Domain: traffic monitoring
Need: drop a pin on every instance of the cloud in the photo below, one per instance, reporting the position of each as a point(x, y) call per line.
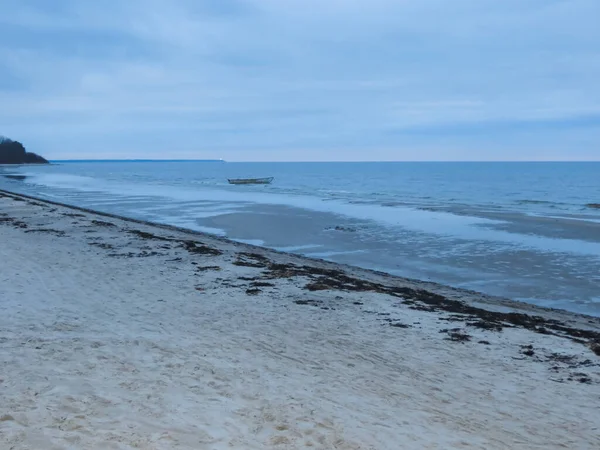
point(302, 79)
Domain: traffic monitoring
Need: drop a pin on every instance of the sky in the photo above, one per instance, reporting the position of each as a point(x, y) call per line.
point(298, 80)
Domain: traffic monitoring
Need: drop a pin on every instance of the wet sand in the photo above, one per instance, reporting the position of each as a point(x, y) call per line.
point(121, 334)
point(557, 277)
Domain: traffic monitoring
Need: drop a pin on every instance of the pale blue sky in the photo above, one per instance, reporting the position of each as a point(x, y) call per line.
point(302, 79)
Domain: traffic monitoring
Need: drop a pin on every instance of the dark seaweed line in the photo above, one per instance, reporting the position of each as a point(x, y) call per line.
point(191, 246)
point(330, 279)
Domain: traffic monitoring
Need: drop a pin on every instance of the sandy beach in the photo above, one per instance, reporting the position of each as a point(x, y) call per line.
point(118, 334)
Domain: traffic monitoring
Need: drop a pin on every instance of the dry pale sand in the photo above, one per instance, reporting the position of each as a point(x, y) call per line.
point(113, 339)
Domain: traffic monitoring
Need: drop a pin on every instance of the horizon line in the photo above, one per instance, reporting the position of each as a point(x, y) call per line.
point(317, 161)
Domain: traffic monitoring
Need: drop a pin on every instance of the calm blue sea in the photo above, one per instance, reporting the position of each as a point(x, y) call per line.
point(520, 230)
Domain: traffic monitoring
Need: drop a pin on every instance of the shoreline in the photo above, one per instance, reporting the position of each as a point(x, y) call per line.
point(444, 247)
point(462, 293)
point(122, 333)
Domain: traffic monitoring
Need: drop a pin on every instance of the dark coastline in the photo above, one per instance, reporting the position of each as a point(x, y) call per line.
point(13, 152)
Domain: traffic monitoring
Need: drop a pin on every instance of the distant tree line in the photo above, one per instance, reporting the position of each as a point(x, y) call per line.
point(13, 152)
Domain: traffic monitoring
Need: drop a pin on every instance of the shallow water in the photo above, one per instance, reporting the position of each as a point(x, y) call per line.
point(520, 230)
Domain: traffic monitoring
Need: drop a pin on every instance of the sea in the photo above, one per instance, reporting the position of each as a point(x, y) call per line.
point(524, 231)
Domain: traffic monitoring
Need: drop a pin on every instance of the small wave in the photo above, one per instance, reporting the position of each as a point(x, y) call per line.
point(535, 202)
point(593, 205)
point(59, 179)
point(546, 204)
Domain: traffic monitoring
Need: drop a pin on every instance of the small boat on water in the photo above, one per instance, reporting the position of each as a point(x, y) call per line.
point(250, 180)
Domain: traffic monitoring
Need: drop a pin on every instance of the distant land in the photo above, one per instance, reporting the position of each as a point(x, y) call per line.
point(132, 160)
point(13, 152)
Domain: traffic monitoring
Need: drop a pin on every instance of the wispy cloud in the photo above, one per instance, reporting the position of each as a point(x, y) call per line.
point(302, 79)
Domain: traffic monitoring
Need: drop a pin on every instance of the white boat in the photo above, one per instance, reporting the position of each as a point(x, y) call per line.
point(250, 180)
